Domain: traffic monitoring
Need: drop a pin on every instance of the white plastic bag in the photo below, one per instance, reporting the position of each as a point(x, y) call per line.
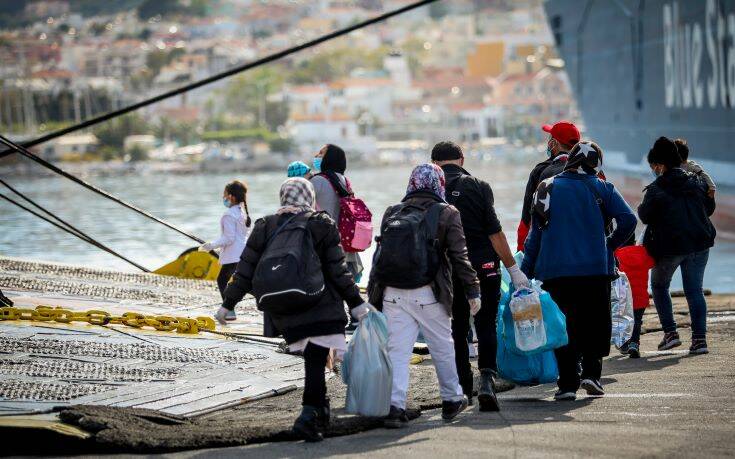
point(367, 368)
point(528, 320)
point(621, 302)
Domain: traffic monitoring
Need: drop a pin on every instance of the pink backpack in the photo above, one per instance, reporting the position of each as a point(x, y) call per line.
point(355, 221)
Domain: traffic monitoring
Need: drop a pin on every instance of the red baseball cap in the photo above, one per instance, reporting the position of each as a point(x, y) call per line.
point(563, 131)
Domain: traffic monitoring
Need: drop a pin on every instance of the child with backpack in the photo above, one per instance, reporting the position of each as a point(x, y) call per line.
point(421, 243)
point(294, 266)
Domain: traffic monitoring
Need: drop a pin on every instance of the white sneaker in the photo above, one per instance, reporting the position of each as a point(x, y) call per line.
point(473, 351)
point(221, 315)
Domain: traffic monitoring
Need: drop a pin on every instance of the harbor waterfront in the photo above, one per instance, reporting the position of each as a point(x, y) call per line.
point(193, 202)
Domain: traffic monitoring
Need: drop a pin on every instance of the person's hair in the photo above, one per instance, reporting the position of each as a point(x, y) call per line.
point(664, 152)
point(239, 191)
point(334, 159)
point(446, 151)
point(682, 148)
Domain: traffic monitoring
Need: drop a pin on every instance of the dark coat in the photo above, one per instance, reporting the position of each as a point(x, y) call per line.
point(676, 209)
point(451, 239)
point(328, 316)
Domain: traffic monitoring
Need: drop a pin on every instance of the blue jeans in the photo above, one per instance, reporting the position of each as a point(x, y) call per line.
point(692, 276)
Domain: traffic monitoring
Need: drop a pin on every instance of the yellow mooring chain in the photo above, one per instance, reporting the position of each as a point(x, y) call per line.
point(44, 313)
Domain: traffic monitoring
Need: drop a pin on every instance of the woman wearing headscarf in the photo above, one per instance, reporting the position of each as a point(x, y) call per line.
point(568, 250)
point(330, 184)
point(320, 328)
point(427, 308)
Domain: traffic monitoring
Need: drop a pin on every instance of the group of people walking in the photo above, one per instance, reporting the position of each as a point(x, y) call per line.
point(438, 258)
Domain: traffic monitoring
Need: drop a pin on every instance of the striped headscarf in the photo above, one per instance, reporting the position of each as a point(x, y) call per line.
point(297, 195)
point(427, 177)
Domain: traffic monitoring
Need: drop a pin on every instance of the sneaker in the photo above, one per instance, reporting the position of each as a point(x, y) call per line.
point(473, 351)
point(306, 425)
point(221, 315)
point(698, 347)
point(396, 418)
point(451, 409)
point(486, 394)
point(567, 395)
point(670, 341)
point(593, 387)
point(230, 315)
point(634, 351)
point(624, 348)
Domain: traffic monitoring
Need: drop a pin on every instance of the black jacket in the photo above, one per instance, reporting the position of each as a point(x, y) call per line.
point(474, 200)
point(326, 318)
point(542, 171)
point(676, 209)
point(452, 241)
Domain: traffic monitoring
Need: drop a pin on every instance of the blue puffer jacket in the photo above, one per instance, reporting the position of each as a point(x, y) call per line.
point(574, 242)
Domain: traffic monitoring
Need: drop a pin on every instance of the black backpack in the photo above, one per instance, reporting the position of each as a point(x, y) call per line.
point(288, 279)
point(408, 253)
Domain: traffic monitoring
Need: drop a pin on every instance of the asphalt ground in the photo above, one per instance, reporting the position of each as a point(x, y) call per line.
point(665, 404)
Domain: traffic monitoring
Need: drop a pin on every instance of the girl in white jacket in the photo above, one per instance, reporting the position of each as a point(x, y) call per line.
point(235, 226)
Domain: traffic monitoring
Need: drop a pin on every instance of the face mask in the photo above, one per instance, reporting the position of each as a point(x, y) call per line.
point(226, 202)
point(548, 152)
point(318, 164)
point(655, 173)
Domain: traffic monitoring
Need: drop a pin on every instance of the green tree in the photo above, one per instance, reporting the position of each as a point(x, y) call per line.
point(137, 153)
point(248, 94)
point(152, 8)
point(112, 133)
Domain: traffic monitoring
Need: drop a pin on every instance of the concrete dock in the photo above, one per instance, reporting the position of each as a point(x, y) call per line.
point(664, 404)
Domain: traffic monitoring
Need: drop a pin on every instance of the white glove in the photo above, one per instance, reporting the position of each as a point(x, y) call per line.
point(361, 311)
point(205, 247)
point(475, 305)
point(518, 278)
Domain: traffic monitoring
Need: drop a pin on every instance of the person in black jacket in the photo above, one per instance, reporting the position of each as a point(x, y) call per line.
point(562, 138)
point(320, 328)
point(676, 208)
point(486, 246)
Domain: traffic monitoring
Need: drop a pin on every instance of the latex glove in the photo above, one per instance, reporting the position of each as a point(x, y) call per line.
point(475, 305)
point(207, 247)
point(361, 311)
point(518, 278)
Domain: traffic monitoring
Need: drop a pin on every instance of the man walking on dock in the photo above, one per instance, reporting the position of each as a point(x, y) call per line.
point(486, 246)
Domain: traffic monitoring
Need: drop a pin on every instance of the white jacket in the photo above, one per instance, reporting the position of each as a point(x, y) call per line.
point(234, 235)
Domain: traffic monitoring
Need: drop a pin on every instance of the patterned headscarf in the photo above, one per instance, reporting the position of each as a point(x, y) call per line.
point(585, 158)
point(297, 195)
point(427, 177)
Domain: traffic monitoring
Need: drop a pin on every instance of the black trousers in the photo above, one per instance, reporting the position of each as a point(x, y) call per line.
point(638, 315)
point(585, 301)
point(315, 385)
point(485, 322)
point(225, 272)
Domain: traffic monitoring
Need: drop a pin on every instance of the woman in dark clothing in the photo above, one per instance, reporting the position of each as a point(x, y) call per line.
point(321, 327)
point(676, 208)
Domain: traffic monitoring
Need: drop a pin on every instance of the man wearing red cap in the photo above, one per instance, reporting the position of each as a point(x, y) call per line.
point(562, 137)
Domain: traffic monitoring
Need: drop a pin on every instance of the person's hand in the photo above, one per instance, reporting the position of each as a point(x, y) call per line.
point(205, 247)
point(361, 311)
point(475, 305)
point(518, 278)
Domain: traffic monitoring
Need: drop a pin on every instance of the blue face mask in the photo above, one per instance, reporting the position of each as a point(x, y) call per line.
point(655, 173)
point(226, 202)
point(317, 164)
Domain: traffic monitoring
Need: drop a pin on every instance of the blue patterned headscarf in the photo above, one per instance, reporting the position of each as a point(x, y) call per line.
point(427, 177)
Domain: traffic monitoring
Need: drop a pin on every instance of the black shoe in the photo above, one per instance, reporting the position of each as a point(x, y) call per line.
point(565, 395)
point(634, 351)
point(593, 387)
point(450, 409)
point(324, 414)
point(625, 347)
point(306, 425)
point(698, 347)
point(486, 394)
point(670, 341)
point(396, 418)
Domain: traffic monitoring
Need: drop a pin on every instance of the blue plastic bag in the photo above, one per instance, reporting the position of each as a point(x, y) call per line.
point(367, 369)
point(539, 368)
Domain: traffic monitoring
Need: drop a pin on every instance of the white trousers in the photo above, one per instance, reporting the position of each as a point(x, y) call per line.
point(411, 311)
